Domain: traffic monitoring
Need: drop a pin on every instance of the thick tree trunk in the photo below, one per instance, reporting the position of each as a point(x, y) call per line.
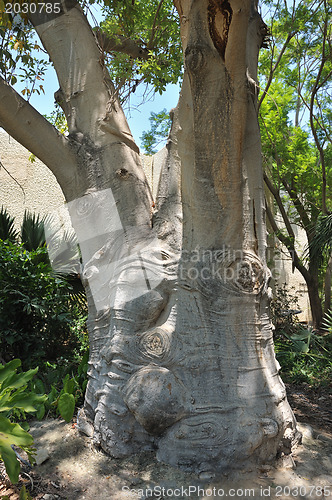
point(182, 356)
point(189, 366)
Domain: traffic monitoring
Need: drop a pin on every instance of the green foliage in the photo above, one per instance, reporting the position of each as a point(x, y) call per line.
point(289, 155)
point(7, 229)
point(305, 357)
point(320, 246)
point(300, 64)
point(42, 320)
point(65, 387)
point(33, 231)
point(327, 322)
point(154, 26)
point(160, 126)
point(295, 118)
point(301, 339)
point(283, 311)
point(24, 494)
point(38, 317)
point(15, 396)
point(66, 406)
point(20, 59)
point(58, 119)
point(12, 434)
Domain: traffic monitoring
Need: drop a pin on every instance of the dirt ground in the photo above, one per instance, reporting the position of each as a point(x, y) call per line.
point(75, 470)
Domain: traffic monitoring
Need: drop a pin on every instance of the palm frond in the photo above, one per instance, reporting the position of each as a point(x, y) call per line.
point(64, 251)
point(321, 244)
point(327, 322)
point(33, 231)
point(7, 228)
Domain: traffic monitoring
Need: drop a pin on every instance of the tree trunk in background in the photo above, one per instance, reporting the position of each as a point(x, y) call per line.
point(327, 286)
point(315, 303)
point(182, 356)
point(313, 292)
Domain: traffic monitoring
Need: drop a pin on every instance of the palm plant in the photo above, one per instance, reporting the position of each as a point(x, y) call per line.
point(320, 251)
point(320, 245)
point(63, 251)
point(7, 228)
point(33, 231)
point(65, 257)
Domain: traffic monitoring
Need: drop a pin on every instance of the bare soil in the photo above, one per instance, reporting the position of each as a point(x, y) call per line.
point(75, 470)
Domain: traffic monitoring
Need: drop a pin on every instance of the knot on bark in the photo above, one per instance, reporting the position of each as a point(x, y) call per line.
point(123, 173)
point(156, 398)
point(270, 427)
point(155, 344)
point(248, 274)
point(195, 58)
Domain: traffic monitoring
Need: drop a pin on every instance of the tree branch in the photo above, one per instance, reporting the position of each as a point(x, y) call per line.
point(34, 132)
point(106, 152)
point(122, 44)
point(299, 207)
point(273, 70)
point(315, 89)
point(154, 29)
point(290, 246)
point(281, 207)
point(87, 94)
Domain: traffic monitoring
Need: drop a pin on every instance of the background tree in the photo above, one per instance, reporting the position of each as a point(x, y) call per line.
point(295, 115)
point(181, 350)
point(160, 127)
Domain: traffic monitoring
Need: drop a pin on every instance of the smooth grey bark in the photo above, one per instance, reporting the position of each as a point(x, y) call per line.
point(181, 349)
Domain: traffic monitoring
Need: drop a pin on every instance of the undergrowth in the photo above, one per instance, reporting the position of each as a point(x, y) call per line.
point(303, 353)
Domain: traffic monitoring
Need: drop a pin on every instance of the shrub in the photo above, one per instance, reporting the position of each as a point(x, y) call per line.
point(283, 307)
point(14, 397)
point(38, 315)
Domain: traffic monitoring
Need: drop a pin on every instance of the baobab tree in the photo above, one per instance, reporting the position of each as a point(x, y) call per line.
point(181, 348)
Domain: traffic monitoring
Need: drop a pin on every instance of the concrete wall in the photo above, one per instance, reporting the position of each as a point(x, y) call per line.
point(280, 263)
point(29, 186)
point(32, 186)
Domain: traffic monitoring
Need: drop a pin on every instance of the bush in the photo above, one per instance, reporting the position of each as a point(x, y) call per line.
point(304, 354)
point(15, 399)
point(38, 316)
point(283, 307)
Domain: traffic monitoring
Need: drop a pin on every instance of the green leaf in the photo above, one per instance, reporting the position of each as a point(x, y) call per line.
point(8, 369)
point(52, 396)
point(24, 494)
point(12, 434)
point(18, 380)
point(66, 406)
point(305, 335)
point(39, 387)
point(25, 426)
point(26, 402)
point(40, 412)
point(10, 460)
point(69, 386)
point(300, 346)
